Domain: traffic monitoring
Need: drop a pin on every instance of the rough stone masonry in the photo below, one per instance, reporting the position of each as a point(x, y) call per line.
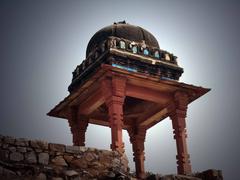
point(34, 159)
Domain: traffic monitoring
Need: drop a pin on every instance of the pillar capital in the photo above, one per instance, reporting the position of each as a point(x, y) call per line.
point(119, 85)
point(114, 90)
point(181, 100)
point(137, 133)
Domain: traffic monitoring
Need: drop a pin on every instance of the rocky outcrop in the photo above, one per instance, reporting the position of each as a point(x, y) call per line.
point(40, 160)
point(210, 174)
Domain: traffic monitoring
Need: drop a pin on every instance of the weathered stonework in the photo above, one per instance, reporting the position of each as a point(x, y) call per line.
point(28, 159)
point(21, 159)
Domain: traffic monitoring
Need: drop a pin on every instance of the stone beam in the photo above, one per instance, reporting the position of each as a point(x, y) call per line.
point(91, 103)
point(147, 94)
point(104, 123)
point(158, 116)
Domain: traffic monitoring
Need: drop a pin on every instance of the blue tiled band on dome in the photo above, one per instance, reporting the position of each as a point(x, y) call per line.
point(124, 67)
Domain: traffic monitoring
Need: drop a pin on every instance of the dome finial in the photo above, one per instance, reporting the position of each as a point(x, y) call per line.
point(120, 22)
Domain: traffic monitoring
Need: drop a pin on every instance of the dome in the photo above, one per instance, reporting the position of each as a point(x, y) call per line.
point(122, 30)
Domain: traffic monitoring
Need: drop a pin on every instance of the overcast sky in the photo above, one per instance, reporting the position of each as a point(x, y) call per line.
point(41, 42)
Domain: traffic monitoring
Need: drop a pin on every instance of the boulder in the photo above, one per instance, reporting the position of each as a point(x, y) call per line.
point(57, 147)
point(31, 157)
point(59, 161)
point(16, 156)
point(43, 158)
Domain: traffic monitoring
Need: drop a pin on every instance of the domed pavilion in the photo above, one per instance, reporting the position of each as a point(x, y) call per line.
point(127, 82)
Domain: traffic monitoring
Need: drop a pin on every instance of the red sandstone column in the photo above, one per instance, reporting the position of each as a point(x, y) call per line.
point(179, 125)
point(114, 92)
point(137, 138)
point(78, 127)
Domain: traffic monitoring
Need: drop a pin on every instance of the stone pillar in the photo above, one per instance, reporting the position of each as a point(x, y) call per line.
point(137, 138)
point(179, 125)
point(78, 127)
point(114, 92)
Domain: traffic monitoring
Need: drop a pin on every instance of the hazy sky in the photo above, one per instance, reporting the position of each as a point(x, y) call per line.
point(41, 42)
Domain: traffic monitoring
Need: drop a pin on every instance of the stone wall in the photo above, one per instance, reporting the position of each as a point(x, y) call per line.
point(40, 160)
point(22, 159)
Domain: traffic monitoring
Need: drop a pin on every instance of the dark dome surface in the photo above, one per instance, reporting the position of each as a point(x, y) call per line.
point(122, 30)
